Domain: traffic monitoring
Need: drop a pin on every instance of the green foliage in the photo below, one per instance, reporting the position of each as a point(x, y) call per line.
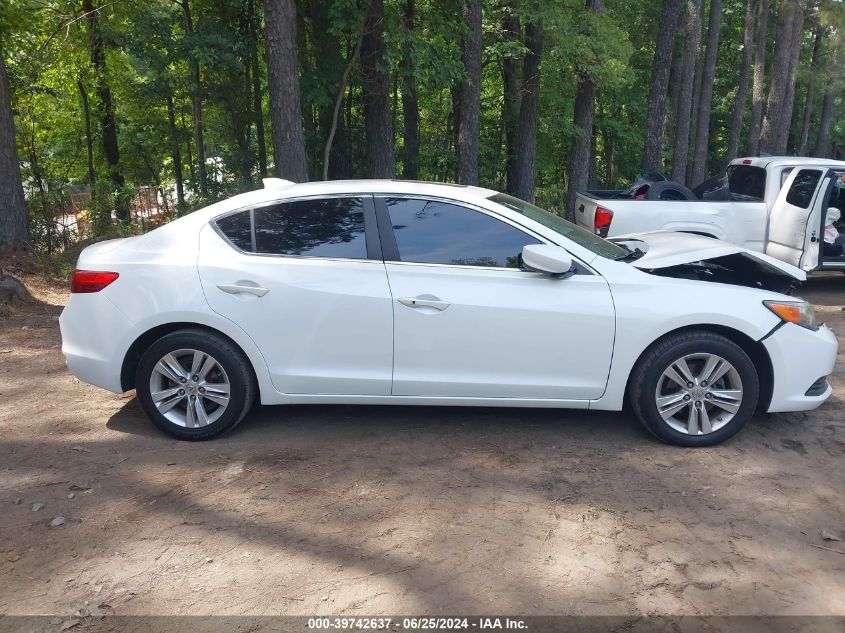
point(46, 44)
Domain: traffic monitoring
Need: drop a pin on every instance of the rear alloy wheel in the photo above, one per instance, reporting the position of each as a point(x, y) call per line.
point(190, 388)
point(694, 389)
point(194, 385)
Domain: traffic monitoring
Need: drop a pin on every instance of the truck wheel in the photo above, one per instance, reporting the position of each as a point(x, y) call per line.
point(669, 190)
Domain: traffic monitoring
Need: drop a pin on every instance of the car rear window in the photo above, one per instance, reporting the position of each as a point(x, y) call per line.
point(747, 183)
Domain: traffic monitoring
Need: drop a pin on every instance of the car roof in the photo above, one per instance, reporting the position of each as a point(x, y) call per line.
point(277, 189)
point(786, 161)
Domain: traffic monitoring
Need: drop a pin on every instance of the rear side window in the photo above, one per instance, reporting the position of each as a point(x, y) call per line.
point(329, 227)
point(333, 227)
point(434, 232)
point(238, 229)
point(803, 188)
point(747, 183)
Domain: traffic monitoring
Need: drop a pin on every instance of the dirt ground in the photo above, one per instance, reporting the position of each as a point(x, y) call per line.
point(405, 510)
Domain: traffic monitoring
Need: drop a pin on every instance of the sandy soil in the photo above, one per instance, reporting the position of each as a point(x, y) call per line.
point(366, 510)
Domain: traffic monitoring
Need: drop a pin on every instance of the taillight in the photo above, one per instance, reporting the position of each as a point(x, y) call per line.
point(602, 221)
point(91, 280)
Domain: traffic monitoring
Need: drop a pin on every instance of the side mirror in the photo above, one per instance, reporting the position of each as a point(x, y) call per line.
point(546, 258)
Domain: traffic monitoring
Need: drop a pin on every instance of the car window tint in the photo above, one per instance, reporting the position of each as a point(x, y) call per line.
point(746, 182)
point(238, 229)
point(433, 232)
point(801, 192)
point(330, 227)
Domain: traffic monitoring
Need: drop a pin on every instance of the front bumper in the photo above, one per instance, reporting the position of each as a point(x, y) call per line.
point(800, 357)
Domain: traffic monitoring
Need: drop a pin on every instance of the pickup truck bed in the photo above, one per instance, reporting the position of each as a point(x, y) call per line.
point(742, 223)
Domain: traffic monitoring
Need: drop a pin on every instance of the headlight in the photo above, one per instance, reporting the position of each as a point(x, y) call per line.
point(797, 312)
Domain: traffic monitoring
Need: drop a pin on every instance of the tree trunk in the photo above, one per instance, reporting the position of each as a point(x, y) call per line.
point(744, 75)
point(526, 128)
point(188, 154)
point(789, 102)
point(335, 119)
point(196, 100)
point(822, 149)
point(14, 220)
point(177, 155)
point(470, 95)
point(696, 97)
point(283, 82)
point(661, 67)
point(89, 141)
point(585, 106)
point(378, 119)
point(511, 82)
point(108, 125)
point(702, 120)
point(692, 44)
point(257, 107)
point(410, 104)
point(775, 132)
point(675, 81)
point(758, 95)
point(811, 91)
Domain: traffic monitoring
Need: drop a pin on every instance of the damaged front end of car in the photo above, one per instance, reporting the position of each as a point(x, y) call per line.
point(701, 258)
point(738, 269)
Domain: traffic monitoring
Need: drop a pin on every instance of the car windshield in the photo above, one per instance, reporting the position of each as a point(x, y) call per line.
point(577, 234)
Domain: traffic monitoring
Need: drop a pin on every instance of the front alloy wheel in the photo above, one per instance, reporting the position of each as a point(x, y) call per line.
point(699, 394)
point(694, 388)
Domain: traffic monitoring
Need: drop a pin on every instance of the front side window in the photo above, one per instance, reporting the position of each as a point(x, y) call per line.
point(329, 227)
point(435, 232)
point(803, 188)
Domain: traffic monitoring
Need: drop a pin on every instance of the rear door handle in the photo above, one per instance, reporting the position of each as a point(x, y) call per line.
point(424, 302)
point(243, 287)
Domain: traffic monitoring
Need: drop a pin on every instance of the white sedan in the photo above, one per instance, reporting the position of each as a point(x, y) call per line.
point(389, 292)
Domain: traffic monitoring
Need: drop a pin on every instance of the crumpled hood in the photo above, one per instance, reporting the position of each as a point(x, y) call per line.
point(664, 249)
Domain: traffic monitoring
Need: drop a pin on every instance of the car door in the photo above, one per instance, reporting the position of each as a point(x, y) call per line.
point(795, 219)
point(469, 323)
point(305, 279)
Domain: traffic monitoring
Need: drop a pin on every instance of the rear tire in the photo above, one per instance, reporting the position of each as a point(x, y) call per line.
point(694, 388)
point(195, 385)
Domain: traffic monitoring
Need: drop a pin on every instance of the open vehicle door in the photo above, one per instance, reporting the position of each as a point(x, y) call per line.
point(795, 220)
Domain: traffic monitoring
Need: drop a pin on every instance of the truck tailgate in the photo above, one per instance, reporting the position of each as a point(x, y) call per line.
point(585, 210)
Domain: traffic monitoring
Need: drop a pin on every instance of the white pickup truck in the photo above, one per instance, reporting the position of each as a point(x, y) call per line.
point(775, 205)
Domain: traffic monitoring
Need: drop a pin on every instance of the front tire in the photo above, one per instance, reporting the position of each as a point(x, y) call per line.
point(195, 385)
point(694, 388)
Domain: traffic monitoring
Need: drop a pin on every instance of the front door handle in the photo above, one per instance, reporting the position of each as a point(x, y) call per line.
point(425, 301)
point(240, 287)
